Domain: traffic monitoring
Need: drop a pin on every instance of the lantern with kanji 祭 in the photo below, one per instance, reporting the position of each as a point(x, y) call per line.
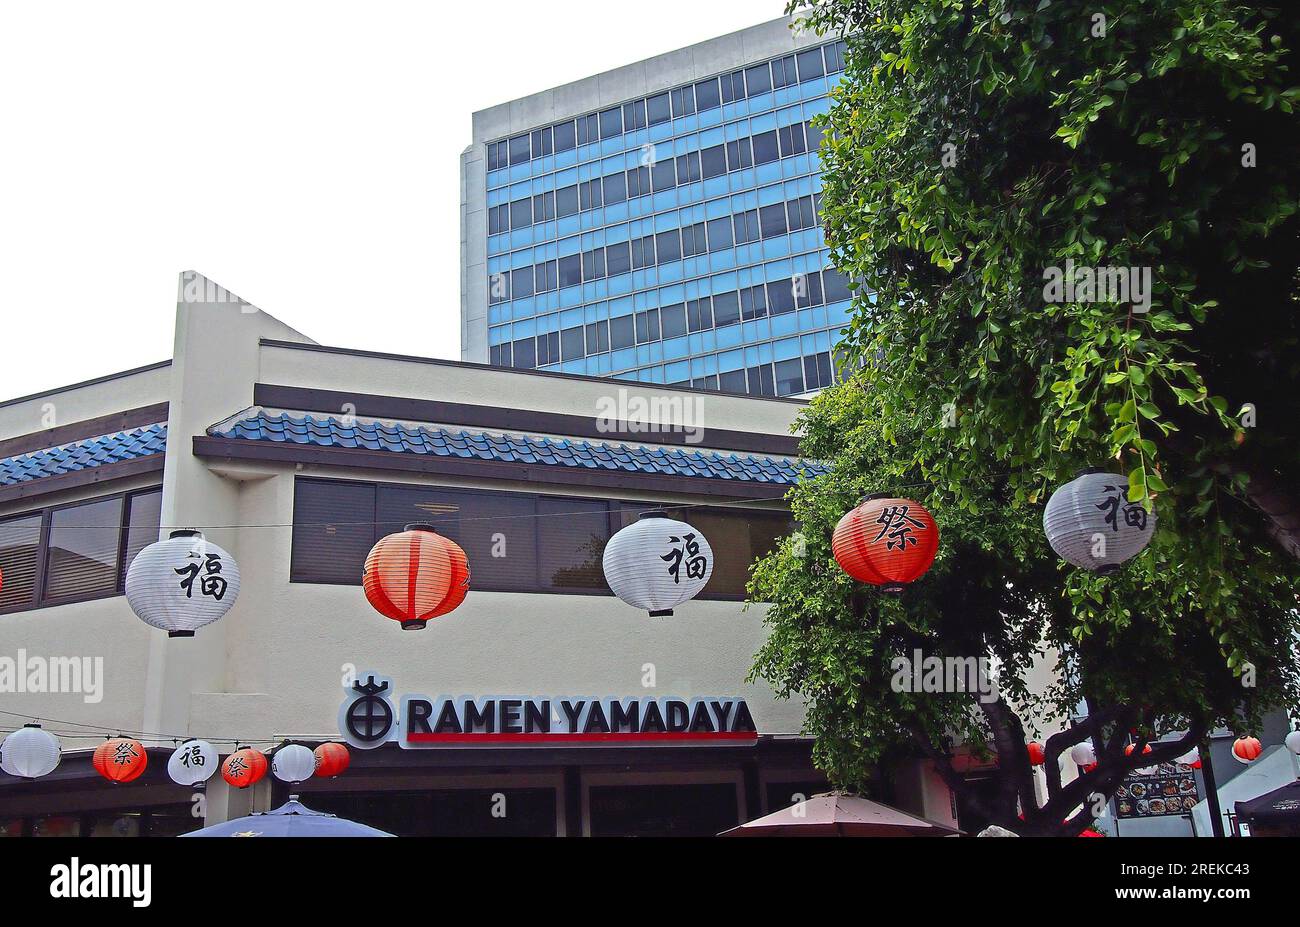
point(886, 542)
point(415, 575)
point(244, 767)
point(182, 583)
point(120, 759)
point(331, 760)
point(1246, 749)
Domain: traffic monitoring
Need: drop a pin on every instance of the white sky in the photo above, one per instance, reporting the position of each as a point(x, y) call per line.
point(305, 155)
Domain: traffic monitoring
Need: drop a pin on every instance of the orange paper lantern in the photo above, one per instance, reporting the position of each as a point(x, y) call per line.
point(331, 759)
point(120, 759)
point(244, 767)
point(416, 575)
point(1036, 754)
point(1247, 749)
point(886, 542)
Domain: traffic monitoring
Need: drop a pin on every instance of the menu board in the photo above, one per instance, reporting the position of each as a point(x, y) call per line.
point(1169, 788)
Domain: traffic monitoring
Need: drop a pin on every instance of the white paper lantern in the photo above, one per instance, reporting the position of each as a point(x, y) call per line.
point(1293, 742)
point(1083, 754)
point(1190, 757)
point(293, 763)
point(182, 583)
point(1090, 522)
point(30, 752)
point(657, 563)
point(193, 762)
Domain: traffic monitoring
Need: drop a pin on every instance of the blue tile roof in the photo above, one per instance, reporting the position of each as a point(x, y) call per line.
point(84, 455)
point(401, 438)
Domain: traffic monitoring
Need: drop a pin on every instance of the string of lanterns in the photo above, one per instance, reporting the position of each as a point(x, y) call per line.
point(31, 752)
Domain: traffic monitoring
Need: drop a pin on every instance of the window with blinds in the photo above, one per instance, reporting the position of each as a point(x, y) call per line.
point(74, 552)
point(516, 542)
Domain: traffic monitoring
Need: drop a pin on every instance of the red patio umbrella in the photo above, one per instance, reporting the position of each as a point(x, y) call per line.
point(839, 815)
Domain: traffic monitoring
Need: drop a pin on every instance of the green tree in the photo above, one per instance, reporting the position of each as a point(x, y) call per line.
point(975, 150)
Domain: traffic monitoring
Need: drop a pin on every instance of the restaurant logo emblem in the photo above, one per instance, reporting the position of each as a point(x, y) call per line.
point(367, 719)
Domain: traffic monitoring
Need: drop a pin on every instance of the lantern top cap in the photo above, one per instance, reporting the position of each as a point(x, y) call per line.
point(1088, 471)
point(877, 495)
point(31, 724)
point(653, 513)
point(186, 533)
point(420, 526)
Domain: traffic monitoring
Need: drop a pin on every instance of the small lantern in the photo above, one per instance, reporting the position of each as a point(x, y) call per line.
point(1142, 770)
point(293, 763)
point(886, 542)
point(192, 763)
point(244, 767)
point(415, 575)
point(1036, 754)
point(1293, 742)
point(30, 752)
point(1191, 758)
point(331, 760)
point(1083, 754)
point(120, 759)
point(1246, 749)
point(182, 583)
point(657, 563)
point(1090, 522)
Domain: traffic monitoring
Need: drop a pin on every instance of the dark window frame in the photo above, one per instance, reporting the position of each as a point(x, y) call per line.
point(39, 600)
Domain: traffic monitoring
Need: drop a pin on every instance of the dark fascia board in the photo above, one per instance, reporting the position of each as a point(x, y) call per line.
point(91, 475)
point(537, 474)
point(84, 383)
point(471, 365)
point(88, 428)
point(499, 418)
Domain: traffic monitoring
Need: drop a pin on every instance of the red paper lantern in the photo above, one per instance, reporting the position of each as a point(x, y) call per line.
point(416, 575)
point(1247, 749)
point(244, 767)
point(1036, 754)
point(1089, 833)
point(1128, 751)
point(331, 760)
point(885, 541)
point(120, 759)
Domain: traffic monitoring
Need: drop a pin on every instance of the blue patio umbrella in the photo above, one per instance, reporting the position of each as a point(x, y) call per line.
point(292, 819)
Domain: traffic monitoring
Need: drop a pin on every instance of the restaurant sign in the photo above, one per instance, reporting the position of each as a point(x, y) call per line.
point(371, 715)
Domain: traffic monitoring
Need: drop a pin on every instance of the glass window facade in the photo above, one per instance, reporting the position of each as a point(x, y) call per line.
point(674, 238)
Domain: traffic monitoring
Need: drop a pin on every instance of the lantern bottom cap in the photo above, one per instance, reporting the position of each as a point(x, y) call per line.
point(180, 633)
point(892, 588)
point(1107, 569)
point(417, 625)
point(662, 613)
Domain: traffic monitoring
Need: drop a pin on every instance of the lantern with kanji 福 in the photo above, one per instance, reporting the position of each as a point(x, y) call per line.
point(120, 759)
point(192, 763)
point(182, 583)
point(415, 575)
point(1090, 522)
point(1246, 749)
point(886, 542)
point(331, 760)
point(657, 563)
point(293, 763)
point(244, 767)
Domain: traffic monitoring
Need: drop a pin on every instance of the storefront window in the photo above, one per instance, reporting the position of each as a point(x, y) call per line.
point(516, 542)
point(502, 812)
point(57, 825)
point(702, 810)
